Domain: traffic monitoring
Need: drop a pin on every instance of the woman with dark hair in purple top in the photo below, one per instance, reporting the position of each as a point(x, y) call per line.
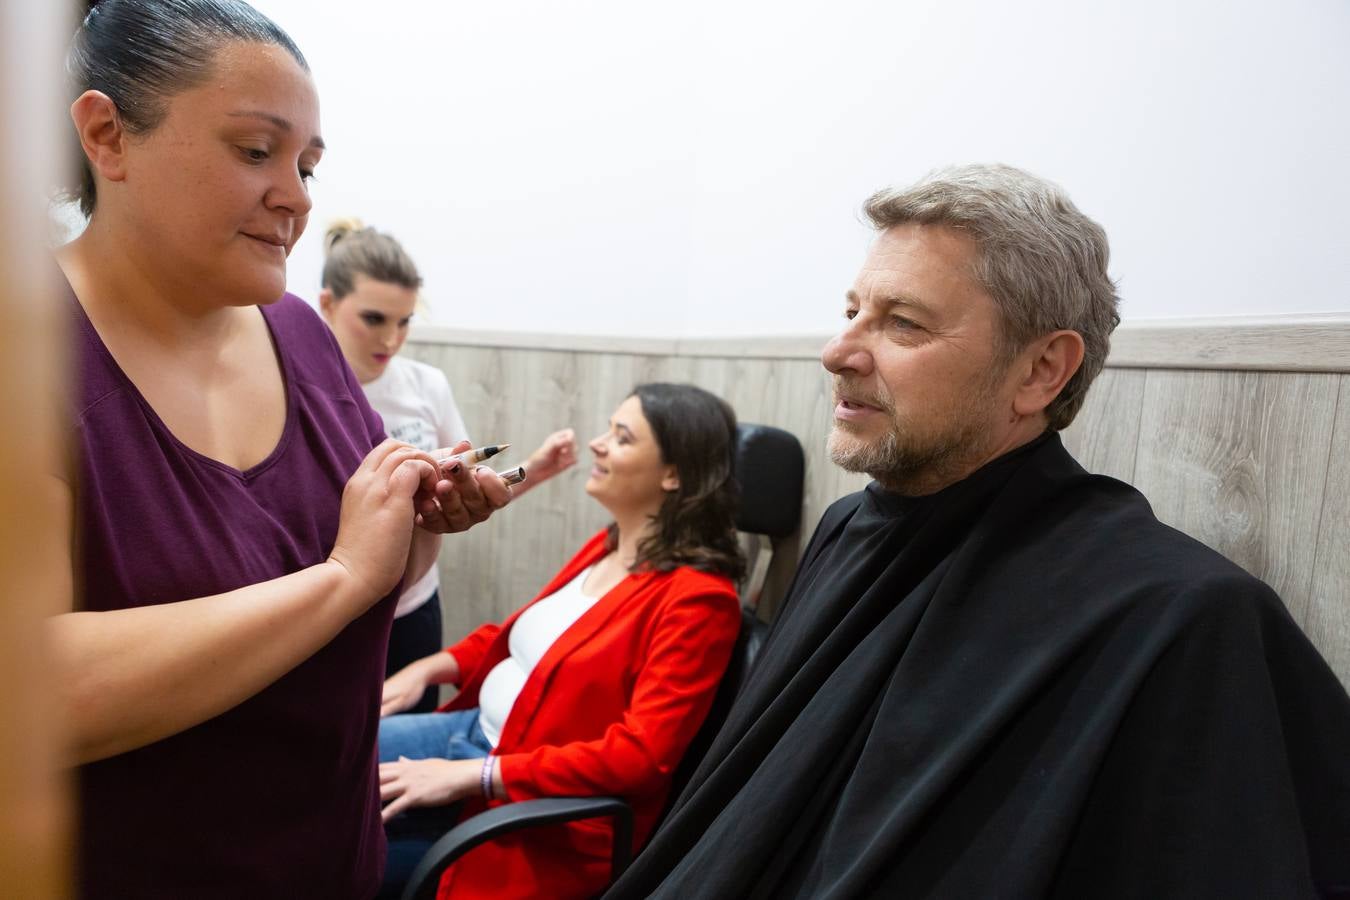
point(239, 524)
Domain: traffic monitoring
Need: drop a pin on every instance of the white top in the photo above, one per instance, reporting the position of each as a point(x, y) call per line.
point(532, 634)
point(417, 406)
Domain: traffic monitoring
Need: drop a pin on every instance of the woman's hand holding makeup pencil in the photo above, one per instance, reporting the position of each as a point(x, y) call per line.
point(467, 493)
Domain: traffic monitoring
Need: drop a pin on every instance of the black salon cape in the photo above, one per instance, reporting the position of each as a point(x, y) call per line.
point(1022, 686)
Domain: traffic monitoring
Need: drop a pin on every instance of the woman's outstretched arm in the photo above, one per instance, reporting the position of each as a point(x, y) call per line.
point(130, 677)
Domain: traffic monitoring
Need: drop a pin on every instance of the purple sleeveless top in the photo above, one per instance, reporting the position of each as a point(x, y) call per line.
point(277, 797)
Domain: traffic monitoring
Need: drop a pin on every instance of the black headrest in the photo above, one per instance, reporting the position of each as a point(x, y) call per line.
point(770, 468)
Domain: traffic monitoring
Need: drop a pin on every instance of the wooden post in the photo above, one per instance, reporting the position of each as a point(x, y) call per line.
point(34, 577)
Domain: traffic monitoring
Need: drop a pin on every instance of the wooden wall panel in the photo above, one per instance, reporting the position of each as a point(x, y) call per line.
point(521, 395)
point(1239, 461)
point(1328, 617)
point(792, 394)
point(1104, 437)
point(1299, 342)
point(1296, 342)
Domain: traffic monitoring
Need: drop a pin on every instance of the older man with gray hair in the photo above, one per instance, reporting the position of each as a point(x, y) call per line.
point(996, 675)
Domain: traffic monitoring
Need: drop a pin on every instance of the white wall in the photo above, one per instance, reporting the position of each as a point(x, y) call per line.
point(696, 168)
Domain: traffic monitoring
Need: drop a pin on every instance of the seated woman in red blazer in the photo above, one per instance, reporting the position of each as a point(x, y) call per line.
point(597, 686)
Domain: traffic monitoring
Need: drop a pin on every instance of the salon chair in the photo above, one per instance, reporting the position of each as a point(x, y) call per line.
point(770, 469)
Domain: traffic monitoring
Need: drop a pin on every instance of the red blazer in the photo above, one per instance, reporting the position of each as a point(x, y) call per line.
point(609, 710)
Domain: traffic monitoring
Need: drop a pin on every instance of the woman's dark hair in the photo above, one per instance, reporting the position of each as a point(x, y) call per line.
point(696, 525)
point(142, 52)
point(351, 249)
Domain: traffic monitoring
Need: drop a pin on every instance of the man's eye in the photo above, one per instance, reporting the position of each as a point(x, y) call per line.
point(902, 323)
point(850, 313)
point(253, 154)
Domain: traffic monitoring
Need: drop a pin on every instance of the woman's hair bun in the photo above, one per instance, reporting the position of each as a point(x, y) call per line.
point(338, 230)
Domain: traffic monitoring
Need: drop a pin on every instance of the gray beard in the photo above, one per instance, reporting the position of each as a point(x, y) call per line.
point(907, 468)
point(853, 455)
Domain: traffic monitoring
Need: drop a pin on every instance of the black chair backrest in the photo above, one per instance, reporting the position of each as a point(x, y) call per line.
point(771, 469)
point(748, 644)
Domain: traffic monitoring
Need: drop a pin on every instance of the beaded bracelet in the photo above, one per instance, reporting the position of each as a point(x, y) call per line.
point(486, 778)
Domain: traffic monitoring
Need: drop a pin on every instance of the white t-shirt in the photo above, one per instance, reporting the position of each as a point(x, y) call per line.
point(417, 406)
point(533, 632)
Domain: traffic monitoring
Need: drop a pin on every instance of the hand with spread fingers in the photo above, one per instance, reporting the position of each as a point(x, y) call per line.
point(555, 455)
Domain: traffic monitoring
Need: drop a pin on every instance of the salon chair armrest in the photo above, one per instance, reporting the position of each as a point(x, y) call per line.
point(512, 817)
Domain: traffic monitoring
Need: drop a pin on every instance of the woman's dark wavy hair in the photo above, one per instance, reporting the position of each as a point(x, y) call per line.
point(142, 52)
point(696, 525)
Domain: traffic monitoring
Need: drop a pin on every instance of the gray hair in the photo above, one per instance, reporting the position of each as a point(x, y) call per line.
point(1041, 260)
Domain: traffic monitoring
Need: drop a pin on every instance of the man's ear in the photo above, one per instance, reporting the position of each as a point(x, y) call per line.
point(671, 480)
point(102, 135)
point(1048, 365)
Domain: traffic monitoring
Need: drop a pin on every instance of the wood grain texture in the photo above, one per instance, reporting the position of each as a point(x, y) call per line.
point(1281, 343)
point(1239, 461)
point(521, 395)
point(1328, 618)
point(1292, 343)
point(1104, 437)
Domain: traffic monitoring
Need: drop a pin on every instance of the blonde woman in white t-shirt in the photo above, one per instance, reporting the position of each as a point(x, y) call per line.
point(370, 288)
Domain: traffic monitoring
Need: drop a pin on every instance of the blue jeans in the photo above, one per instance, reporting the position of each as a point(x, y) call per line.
point(453, 735)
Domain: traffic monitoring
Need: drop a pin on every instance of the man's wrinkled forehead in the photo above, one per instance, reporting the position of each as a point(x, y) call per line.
point(899, 300)
point(924, 267)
